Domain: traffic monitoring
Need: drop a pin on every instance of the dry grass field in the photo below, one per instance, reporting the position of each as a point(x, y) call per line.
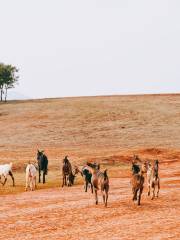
point(104, 129)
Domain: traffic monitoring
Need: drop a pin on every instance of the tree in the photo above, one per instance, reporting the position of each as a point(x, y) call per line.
point(1, 79)
point(8, 79)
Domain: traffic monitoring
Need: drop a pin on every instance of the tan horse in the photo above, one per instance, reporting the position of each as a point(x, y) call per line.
point(153, 179)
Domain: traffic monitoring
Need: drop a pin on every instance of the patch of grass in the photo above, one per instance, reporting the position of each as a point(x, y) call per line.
point(54, 179)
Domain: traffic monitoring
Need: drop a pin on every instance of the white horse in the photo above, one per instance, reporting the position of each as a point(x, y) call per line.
point(5, 170)
point(30, 176)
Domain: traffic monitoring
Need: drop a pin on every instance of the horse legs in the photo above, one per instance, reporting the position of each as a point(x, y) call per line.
point(86, 185)
point(10, 173)
point(31, 184)
point(27, 183)
point(5, 179)
point(91, 188)
point(158, 188)
point(44, 180)
point(139, 197)
point(1, 181)
point(148, 189)
point(39, 175)
point(135, 194)
point(35, 185)
point(153, 192)
point(106, 194)
point(63, 181)
point(103, 195)
point(96, 197)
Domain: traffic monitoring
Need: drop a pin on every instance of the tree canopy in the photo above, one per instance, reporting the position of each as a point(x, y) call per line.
point(8, 79)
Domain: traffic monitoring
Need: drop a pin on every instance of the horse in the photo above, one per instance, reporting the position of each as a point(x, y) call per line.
point(42, 164)
point(99, 180)
point(30, 177)
point(153, 179)
point(86, 174)
point(68, 176)
point(137, 181)
point(5, 170)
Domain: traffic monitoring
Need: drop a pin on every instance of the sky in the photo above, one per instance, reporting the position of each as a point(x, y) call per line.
point(87, 47)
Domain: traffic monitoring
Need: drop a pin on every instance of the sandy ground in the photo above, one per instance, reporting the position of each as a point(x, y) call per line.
point(70, 213)
point(108, 130)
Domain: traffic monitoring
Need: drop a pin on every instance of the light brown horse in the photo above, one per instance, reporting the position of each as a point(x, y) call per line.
point(153, 179)
point(100, 181)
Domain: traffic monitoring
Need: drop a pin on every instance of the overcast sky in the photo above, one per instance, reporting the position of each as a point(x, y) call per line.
point(88, 47)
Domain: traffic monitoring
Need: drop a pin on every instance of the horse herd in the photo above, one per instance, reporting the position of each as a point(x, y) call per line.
point(92, 175)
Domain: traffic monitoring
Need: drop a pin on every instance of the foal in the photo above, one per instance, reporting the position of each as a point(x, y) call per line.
point(99, 180)
point(153, 179)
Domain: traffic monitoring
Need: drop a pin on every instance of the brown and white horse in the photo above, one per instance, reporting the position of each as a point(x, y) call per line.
point(153, 179)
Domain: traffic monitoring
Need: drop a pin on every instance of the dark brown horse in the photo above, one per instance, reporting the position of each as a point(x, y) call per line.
point(42, 164)
point(67, 173)
point(86, 174)
point(137, 181)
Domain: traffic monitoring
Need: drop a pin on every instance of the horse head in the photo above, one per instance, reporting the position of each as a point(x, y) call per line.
point(95, 166)
point(135, 168)
point(39, 154)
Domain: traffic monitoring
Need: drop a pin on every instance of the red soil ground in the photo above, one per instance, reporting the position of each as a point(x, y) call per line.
point(106, 129)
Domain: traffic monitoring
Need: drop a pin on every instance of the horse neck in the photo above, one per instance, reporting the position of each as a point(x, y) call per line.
point(149, 170)
point(93, 171)
point(155, 172)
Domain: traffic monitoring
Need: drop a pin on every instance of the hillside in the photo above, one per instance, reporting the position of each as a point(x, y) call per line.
point(89, 127)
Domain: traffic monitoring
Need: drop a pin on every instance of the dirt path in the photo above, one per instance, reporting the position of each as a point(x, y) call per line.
point(70, 213)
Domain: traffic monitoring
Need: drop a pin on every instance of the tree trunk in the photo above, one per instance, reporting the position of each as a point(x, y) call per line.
point(5, 99)
point(1, 94)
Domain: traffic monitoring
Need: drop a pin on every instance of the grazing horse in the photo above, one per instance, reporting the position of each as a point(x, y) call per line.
point(153, 179)
point(86, 174)
point(137, 181)
point(42, 164)
point(99, 180)
point(30, 177)
point(5, 170)
point(68, 176)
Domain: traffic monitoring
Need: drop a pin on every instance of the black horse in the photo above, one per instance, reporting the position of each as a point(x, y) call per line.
point(42, 164)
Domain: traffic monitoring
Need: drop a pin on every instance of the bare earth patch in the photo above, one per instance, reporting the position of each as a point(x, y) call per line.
point(70, 213)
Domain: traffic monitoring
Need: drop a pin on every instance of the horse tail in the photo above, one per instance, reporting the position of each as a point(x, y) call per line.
point(156, 176)
point(105, 175)
point(11, 165)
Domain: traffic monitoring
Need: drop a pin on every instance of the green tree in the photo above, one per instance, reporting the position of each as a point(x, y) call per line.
point(1, 80)
point(8, 79)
